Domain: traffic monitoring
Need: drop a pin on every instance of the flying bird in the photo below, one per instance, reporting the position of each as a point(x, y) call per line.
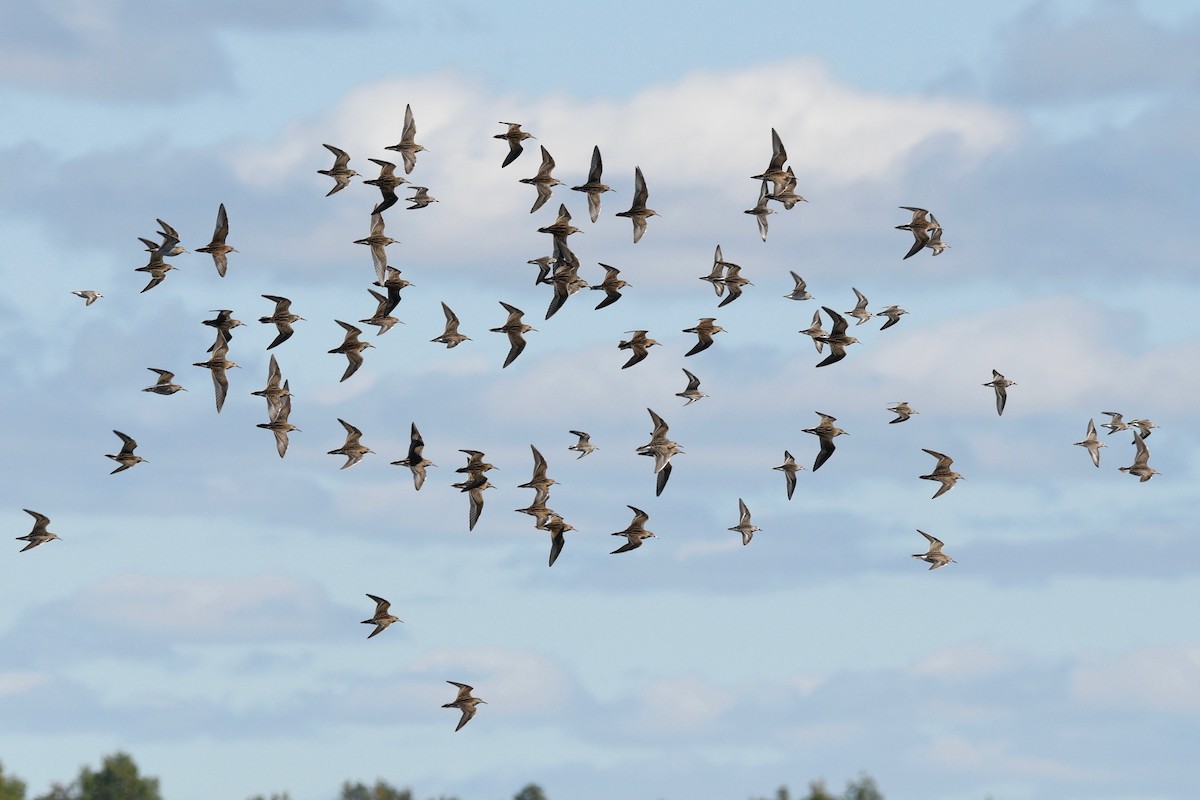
point(340, 171)
point(282, 318)
point(1140, 466)
point(934, 555)
point(801, 290)
point(923, 227)
point(1000, 384)
point(705, 330)
point(760, 211)
point(39, 534)
point(279, 424)
point(407, 146)
point(638, 211)
point(165, 383)
point(543, 180)
point(902, 411)
point(515, 328)
point(837, 339)
point(217, 248)
point(584, 446)
point(745, 527)
point(640, 344)
point(893, 314)
point(774, 171)
point(273, 392)
point(88, 295)
point(382, 618)
point(594, 187)
point(789, 468)
point(125, 458)
point(450, 336)
point(416, 460)
point(636, 532)
point(942, 473)
point(1092, 444)
point(515, 136)
point(387, 182)
point(353, 449)
point(351, 347)
point(860, 308)
point(465, 702)
point(692, 393)
point(219, 365)
point(611, 286)
point(378, 241)
point(825, 432)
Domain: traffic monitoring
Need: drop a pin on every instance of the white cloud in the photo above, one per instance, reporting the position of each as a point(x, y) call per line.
point(961, 662)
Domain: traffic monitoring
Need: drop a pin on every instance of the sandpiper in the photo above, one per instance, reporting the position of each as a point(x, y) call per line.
point(1140, 466)
point(125, 458)
point(394, 285)
point(450, 336)
point(640, 344)
point(1143, 426)
point(156, 267)
point(934, 555)
point(705, 330)
point(1000, 384)
point(421, 198)
point(734, 282)
point(224, 323)
point(801, 290)
point(273, 392)
point(474, 488)
point(515, 328)
point(902, 411)
point(716, 275)
point(893, 314)
point(381, 318)
point(1092, 444)
point(745, 527)
point(387, 182)
point(638, 211)
point(218, 365)
point(39, 534)
point(661, 449)
point(377, 241)
point(353, 449)
point(165, 383)
point(816, 332)
point(282, 319)
point(922, 227)
point(611, 286)
point(636, 532)
point(539, 512)
point(540, 482)
point(217, 247)
point(760, 211)
point(170, 241)
point(515, 136)
point(825, 431)
point(543, 180)
point(382, 618)
point(860, 312)
point(788, 195)
point(89, 296)
point(837, 339)
point(340, 171)
point(594, 187)
point(692, 393)
point(774, 171)
point(942, 473)
point(558, 528)
point(566, 282)
point(789, 468)
point(584, 446)
point(1115, 423)
point(416, 460)
point(407, 146)
point(465, 702)
point(279, 424)
point(351, 347)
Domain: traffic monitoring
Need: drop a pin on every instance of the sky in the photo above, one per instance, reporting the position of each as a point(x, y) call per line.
point(202, 610)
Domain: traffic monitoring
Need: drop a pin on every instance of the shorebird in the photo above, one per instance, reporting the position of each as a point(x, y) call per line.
point(1000, 384)
point(661, 449)
point(515, 328)
point(89, 296)
point(157, 267)
point(774, 171)
point(734, 282)
point(636, 532)
point(893, 314)
point(692, 393)
point(801, 290)
point(353, 449)
point(224, 323)
point(760, 211)
point(217, 247)
point(1092, 444)
point(340, 171)
point(475, 465)
point(515, 136)
point(420, 198)
point(540, 482)
point(218, 365)
point(705, 330)
point(584, 446)
point(387, 182)
point(407, 146)
point(716, 275)
point(640, 344)
point(825, 431)
point(611, 286)
point(922, 227)
point(594, 187)
point(539, 512)
point(381, 318)
point(351, 347)
point(745, 527)
point(560, 229)
point(474, 488)
point(816, 332)
point(638, 211)
point(465, 702)
point(1143, 426)
point(282, 319)
point(1115, 423)
point(934, 555)
point(416, 460)
point(170, 241)
point(860, 312)
point(942, 473)
point(164, 384)
point(377, 241)
point(273, 392)
point(837, 339)
point(558, 528)
point(125, 458)
point(382, 618)
point(789, 468)
point(902, 412)
point(935, 242)
point(788, 195)
point(279, 424)
point(39, 534)
point(566, 282)
point(543, 180)
point(394, 285)
point(450, 336)
point(1140, 466)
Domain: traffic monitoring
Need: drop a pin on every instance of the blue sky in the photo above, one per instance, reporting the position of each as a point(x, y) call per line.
point(202, 611)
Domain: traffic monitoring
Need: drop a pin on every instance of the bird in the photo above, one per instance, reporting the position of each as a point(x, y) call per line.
point(387, 182)
point(421, 198)
point(860, 308)
point(89, 295)
point(340, 171)
point(382, 618)
point(515, 329)
point(407, 146)
point(273, 392)
point(566, 282)
point(475, 465)
point(282, 319)
point(692, 393)
point(217, 248)
point(464, 702)
point(704, 330)
point(165, 383)
point(942, 473)
point(935, 242)
point(774, 171)
point(789, 468)
point(377, 241)
point(515, 136)
point(1140, 466)
point(661, 449)
point(416, 460)
point(218, 365)
point(351, 347)
point(39, 534)
point(394, 285)
point(594, 187)
point(825, 432)
point(745, 527)
point(540, 482)
point(902, 411)
point(224, 323)
point(640, 344)
point(539, 512)
point(934, 555)
point(125, 458)
point(584, 446)
point(816, 333)
point(801, 290)
point(760, 211)
point(170, 241)
point(1143, 426)
point(837, 339)
point(474, 489)
point(353, 449)
point(381, 318)
point(1000, 384)
point(279, 424)
point(1115, 423)
point(157, 267)
point(893, 314)
point(558, 528)
point(450, 336)
point(787, 195)
point(734, 282)
point(611, 286)
point(638, 211)
point(922, 227)
point(716, 275)
point(543, 180)
point(1092, 444)
point(636, 532)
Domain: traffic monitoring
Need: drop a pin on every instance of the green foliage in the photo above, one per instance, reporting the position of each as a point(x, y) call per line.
point(862, 789)
point(11, 788)
point(380, 791)
point(817, 791)
point(117, 779)
point(530, 792)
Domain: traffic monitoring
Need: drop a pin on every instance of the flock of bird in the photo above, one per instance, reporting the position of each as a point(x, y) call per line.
point(560, 271)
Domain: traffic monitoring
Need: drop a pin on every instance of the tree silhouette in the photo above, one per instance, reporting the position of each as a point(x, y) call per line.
point(11, 788)
point(530, 792)
point(117, 779)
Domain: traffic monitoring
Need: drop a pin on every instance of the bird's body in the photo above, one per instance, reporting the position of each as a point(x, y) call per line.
point(352, 347)
point(705, 330)
point(217, 248)
point(165, 384)
point(340, 171)
point(126, 457)
point(638, 211)
point(1000, 384)
point(353, 449)
point(382, 618)
point(745, 527)
point(635, 533)
point(415, 460)
point(40, 533)
point(1092, 443)
point(594, 187)
point(514, 136)
point(282, 318)
point(515, 328)
point(825, 431)
point(942, 473)
point(789, 468)
point(464, 703)
point(934, 555)
point(407, 147)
